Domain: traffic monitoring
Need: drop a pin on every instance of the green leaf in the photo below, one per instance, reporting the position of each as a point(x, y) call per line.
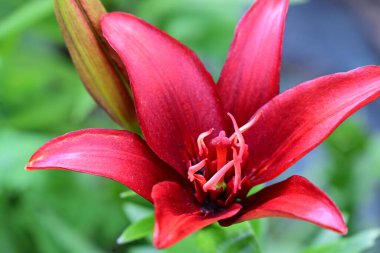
point(354, 244)
point(68, 239)
point(240, 238)
point(209, 238)
point(138, 230)
point(237, 238)
point(256, 189)
point(26, 16)
point(259, 227)
point(190, 244)
point(127, 194)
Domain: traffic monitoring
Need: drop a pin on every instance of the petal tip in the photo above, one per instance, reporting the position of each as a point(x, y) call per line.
point(160, 240)
point(160, 244)
point(344, 230)
point(341, 228)
point(30, 165)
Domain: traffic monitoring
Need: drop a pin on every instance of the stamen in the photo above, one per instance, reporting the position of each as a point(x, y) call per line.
point(237, 164)
point(238, 157)
point(246, 126)
point(214, 180)
point(239, 135)
point(218, 168)
point(195, 168)
point(201, 144)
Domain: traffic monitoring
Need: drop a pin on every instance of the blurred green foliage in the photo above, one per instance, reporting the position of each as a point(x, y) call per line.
point(42, 97)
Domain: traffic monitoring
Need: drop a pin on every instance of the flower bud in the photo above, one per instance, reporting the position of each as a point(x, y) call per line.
point(94, 59)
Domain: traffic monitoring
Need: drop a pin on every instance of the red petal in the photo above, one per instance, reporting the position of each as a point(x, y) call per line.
point(119, 155)
point(175, 96)
point(178, 214)
point(295, 198)
point(295, 122)
point(251, 74)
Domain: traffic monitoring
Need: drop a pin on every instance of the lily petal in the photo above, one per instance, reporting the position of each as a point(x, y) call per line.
point(251, 74)
point(116, 154)
point(175, 96)
point(295, 198)
point(178, 214)
point(295, 122)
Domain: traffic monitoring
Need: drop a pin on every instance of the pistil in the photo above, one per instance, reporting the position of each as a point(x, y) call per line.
point(221, 144)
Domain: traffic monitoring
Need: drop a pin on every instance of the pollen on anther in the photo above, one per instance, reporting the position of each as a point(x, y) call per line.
point(195, 168)
point(202, 149)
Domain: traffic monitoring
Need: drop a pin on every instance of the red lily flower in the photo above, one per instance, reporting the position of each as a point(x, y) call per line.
point(207, 145)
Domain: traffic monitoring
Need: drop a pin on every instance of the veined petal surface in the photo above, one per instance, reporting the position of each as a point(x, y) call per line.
point(115, 154)
point(295, 198)
point(251, 74)
point(175, 96)
point(296, 121)
point(178, 214)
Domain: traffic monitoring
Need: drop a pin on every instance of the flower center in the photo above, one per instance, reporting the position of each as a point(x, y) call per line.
point(221, 161)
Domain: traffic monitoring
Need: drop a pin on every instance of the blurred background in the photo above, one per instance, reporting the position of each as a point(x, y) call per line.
point(42, 97)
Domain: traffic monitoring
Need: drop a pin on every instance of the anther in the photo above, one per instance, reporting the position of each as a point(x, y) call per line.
point(202, 149)
point(247, 125)
point(195, 168)
point(239, 137)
